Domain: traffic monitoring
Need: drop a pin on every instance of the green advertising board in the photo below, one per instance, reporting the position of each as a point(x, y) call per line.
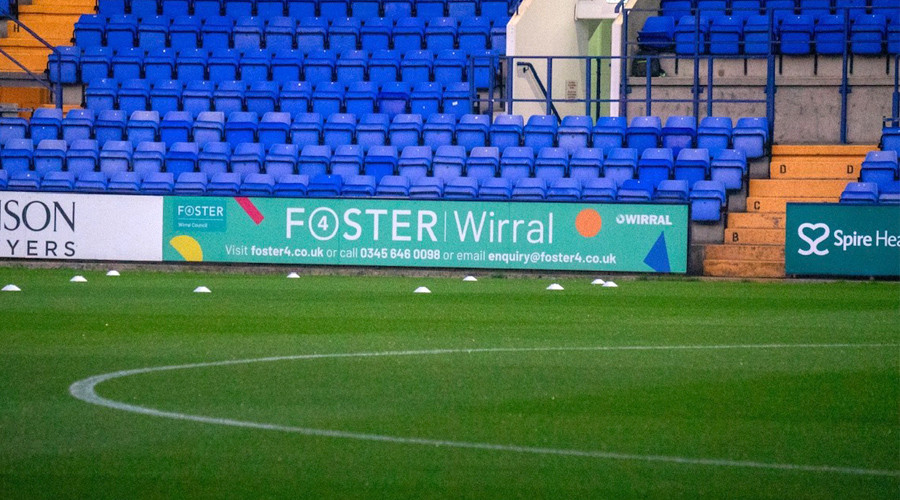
point(842, 240)
point(408, 233)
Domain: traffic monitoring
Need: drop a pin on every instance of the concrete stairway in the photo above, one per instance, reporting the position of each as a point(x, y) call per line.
point(754, 240)
point(52, 20)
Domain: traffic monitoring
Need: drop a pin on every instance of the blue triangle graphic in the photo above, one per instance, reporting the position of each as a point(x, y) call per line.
point(658, 258)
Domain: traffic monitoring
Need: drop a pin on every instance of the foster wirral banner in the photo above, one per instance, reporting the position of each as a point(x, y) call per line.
point(413, 233)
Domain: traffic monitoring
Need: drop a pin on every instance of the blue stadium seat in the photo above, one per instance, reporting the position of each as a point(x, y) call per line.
point(449, 162)
point(241, 127)
point(334, 10)
point(381, 161)
point(462, 8)
point(175, 127)
point(672, 191)
point(153, 32)
point(184, 33)
point(425, 98)
point(620, 165)
point(714, 133)
point(127, 63)
point(96, 63)
point(375, 34)
point(191, 184)
point(223, 65)
point(343, 35)
point(372, 130)
point(361, 97)
point(707, 200)
point(860, 193)
point(867, 34)
point(294, 186)
point(306, 129)
point(574, 133)
point(890, 194)
point(248, 33)
point(287, 66)
point(415, 162)
point(83, 156)
point(49, 156)
point(328, 98)
point(439, 130)
point(365, 9)
point(248, 158)
point(312, 32)
point(144, 8)
point(496, 11)
point(158, 183)
point(339, 129)
point(134, 95)
point(815, 8)
point(507, 131)
point(409, 34)
point(209, 127)
point(359, 186)
point(280, 33)
point(658, 34)
point(636, 191)
point(78, 124)
point(295, 97)
point(888, 9)
point(796, 34)
point(46, 123)
point(429, 9)
point(692, 165)
point(751, 135)
point(24, 181)
point(474, 34)
point(205, 9)
point(352, 66)
point(274, 128)
point(325, 186)
point(644, 132)
point(609, 133)
point(109, 8)
point(457, 99)
point(262, 97)
point(347, 161)
point(655, 164)
point(91, 182)
point(830, 35)
point(121, 31)
point(258, 185)
point(101, 95)
point(384, 66)
point(758, 38)
point(678, 133)
point(238, 8)
point(166, 96)
point(495, 189)
point(498, 39)
point(215, 157)
point(62, 65)
point(216, 32)
point(517, 163)
point(586, 163)
point(472, 131)
point(229, 96)
point(725, 33)
point(197, 97)
point(255, 65)
point(12, 127)
point(540, 131)
point(397, 9)
point(115, 156)
point(143, 126)
point(299, 9)
point(89, 31)
point(426, 188)
point(151, 156)
point(393, 98)
point(281, 159)
point(564, 189)
point(483, 163)
point(530, 189)
point(890, 139)
point(393, 186)
point(745, 8)
point(191, 65)
point(110, 126)
point(314, 160)
point(692, 34)
point(879, 167)
point(461, 188)
point(441, 33)
point(416, 66)
point(449, 67)
point(58, 181)
point(551, 164)
point(729, 166)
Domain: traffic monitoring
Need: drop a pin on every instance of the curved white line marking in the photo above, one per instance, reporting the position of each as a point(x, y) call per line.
point(85, 390)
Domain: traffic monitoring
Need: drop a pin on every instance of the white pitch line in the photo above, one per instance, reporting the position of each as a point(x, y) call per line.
point(85, 390)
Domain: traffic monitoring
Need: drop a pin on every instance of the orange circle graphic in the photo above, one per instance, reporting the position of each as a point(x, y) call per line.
point(588, 223)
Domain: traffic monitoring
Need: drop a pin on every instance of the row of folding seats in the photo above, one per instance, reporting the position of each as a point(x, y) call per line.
point(469, 35)
point(779, 8)
point(69, 65)
point(329, 9)
point(867, 34)
point(870, 193)
point(359, 98)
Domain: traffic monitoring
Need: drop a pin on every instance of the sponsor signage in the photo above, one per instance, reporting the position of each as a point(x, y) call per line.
point(404, 233)
point(842, 240)
point(80, 226)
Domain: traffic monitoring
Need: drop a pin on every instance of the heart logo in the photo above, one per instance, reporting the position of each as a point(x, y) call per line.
point(813, 243)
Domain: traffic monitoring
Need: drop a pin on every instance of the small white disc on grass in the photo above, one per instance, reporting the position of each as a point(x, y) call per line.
point(470, 278)
point(113, 273)
point(555, 286)
point(598, 281)
point(202, 289)
point(293, 276)
point(78, 279)
point(11, 288)
point(611, 284)
point(422, 289)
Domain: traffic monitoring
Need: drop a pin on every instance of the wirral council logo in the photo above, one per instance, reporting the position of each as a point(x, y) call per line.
point(813, 235)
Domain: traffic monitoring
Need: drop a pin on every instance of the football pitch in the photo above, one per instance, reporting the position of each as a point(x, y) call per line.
point(354, 387)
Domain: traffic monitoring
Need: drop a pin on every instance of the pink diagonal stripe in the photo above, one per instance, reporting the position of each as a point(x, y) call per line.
point(250, 208)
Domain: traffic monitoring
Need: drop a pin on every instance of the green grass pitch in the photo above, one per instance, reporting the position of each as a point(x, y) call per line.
point(656, 389)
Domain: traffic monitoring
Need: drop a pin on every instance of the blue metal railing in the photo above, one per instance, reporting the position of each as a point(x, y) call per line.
point(57, 89)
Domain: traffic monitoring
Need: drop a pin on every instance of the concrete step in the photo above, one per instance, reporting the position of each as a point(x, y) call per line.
point(821, 150)
point(56, 8)
point(840, 167)
point(743, 269)
point(759, 220)
point(779, 204)
point(35, 59)
point(755, 253)
point(800, 188)
point(753, 236)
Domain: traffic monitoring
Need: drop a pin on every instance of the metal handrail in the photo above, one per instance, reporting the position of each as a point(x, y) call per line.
point(551, 108)
point(58, 87)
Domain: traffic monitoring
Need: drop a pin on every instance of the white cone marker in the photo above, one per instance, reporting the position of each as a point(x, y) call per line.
point(202, 289)
point(422, 289)
point(113, 273)
point(470, 278)
point(555, 286)
point(598, 281)
point(610, 284)
point(78, 279)
point(293, 276)
point(11, 288)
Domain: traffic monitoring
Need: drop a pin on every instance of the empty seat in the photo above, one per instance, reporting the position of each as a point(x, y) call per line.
point(441, 32)
point(258, 185)
point(339, 129)
point(530, 189)
point(12, 127)
point(57, 181)
point(191, 68)
point(609, 133)
point(143, 126)
point(551, 164)
point(462, 8)
point(707, 200)
point(384, 66)
point(397, 9)
point(692, 165)
point(241, 127)
point(205, 9)
point(564, 189)
point(291, 186)
point(158, 183)
point(359, 186)
point(867, 34)
point(274, 128)
point(540, 131)
point(255, 66)
point(134, 96)
point(644, 132)
point(191, 184)
point(347, 160)
point(248, 33)
point(281, 159)
point(62, 65)
point(306, 129)
point(796, 34)
point(95, 63)
point(599, 190)
point(127, 63)
point(680, 132)
point(328, 98)
point(393, 186)
point(636, 191)
point(655, 164)
point(381, 161)
point(461, 188)
point(83, 156)
point(474, 34)
point(319, 66)
point(416, 66)
point(672, 191)
point(507, 131)
point(879, 167)
point(372, 130)
point(620, 164)
point(375, 34)
point(725, 34)
point(89, 30)
point(714, 133)
point(153, 32)
point(751, 135)
point(248, 158)
point(280, 33)
point(184, 33)
point(149, 157)
point(238, 8)
point(101, 94)
point(860, 193)
point(175, 127)
point(215, 157)
point(49, 156)
point(449, 67)
point(829, 34)
point(223, 64)
point(344, 34)
point(517, 163)
point(311, 34)
point(296, 97)
point(759, 39)
point(166, 96)
point(287, 67)
point(181, 157)
point(115, 156)
point(209, 127)
point(261, 97)
point(495, 189)
point(691, 35)
point(325, 186)
point(415, 162)
point(144, 8)
point(658, 33)
point(574, 133)
point(121, 31)
point(586, 163)
point(483, 163)
point(406, 130)
point(24, 181)
point(46, 123)
point(729, 166)
point(409, 34)
point(314, 160)
point(361, 97)
point(457, 99)
point(394, 98)
point(110, 126)
point(439, 130)
point(472, 131)
point(449, 162)
point(426, 188)
point(334, 10)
